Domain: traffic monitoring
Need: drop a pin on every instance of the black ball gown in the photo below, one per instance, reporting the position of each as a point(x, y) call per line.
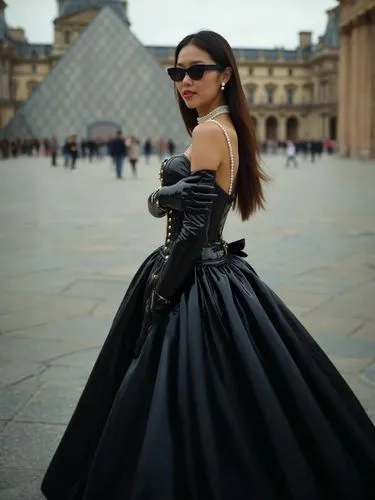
point(228, 398)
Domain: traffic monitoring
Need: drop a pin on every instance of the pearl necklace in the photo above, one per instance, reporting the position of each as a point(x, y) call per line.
point(213, 114)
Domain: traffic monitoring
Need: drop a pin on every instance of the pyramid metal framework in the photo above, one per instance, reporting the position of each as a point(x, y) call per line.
point(107, 76)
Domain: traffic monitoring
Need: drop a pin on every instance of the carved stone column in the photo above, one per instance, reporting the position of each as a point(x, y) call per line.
point(364, 90)
point(344, 92)
point(372, 83)
point(355, 90)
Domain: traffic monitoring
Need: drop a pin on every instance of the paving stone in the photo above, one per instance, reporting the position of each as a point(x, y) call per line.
point(3, 423)
point(362, 389)
point(96, 289)
point(107, 309)
point(17, 300)
point(63, 308)
point(369, 373)
point(346, 347)
point(12, 372)
point(61, 374)
point(319, 323)
point(81, 329)
point(77, 359)
point(19, 350)
point(29, 445)
point(367, 331)
point(353, 366)
point(357, 303)
point(13, 397)
point(301, 298)
point(53, 403)
point(53, 281)
point(19, 484)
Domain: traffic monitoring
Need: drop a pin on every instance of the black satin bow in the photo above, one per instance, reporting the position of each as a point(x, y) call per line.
point(236, 247)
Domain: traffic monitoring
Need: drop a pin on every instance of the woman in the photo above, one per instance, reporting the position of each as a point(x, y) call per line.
point(134, 153)
point(207, 386)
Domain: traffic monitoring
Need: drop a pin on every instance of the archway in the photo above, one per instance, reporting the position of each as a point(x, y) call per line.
point(292, 126)
point(271, 128)
point(103, 129)
point(333, 128)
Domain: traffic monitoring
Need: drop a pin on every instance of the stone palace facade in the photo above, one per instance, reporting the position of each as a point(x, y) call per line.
point(292, 93)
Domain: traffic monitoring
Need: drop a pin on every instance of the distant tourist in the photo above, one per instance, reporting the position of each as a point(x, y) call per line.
point(291, 154)
point(65, 151)
point(147, 150)
point(73, 151)
point(54, 148)
point(134, 152)
point(118, 153)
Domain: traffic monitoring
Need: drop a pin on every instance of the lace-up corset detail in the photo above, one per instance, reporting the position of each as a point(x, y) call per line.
point(177, 167)
point(173, 170)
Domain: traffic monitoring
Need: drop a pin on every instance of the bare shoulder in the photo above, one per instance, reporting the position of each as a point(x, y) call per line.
point(207, 131)
point(206, 147)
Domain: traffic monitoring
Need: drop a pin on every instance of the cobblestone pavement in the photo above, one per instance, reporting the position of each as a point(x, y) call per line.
point(70, 241)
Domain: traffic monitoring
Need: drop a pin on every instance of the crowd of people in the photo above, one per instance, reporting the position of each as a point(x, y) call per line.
point(118, 148)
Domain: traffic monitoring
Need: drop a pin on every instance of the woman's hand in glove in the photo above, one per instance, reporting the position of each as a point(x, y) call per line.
point(157, 307)
point(188, 193)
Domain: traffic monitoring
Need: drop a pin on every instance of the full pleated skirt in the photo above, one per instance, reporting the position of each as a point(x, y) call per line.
point(230, 398)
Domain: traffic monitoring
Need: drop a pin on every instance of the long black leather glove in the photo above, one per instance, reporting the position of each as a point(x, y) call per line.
point(185, 194)
point(154, 208)
point(187, 245)
point(190, 192)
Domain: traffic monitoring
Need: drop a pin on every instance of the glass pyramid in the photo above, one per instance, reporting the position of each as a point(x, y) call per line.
point(107, 76)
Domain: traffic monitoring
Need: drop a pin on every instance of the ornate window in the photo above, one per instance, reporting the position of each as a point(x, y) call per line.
point(34, 68)
point(250, 96)
point(289, 96)
point(270, 71)
point(250, 92)
point(270, 95)
point(290, 71)
point(67, 37)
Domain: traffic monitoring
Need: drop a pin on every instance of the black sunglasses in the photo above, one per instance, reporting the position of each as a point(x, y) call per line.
point(195, 72)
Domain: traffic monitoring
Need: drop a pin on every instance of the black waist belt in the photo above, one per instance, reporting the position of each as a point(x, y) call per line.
point(217, 250)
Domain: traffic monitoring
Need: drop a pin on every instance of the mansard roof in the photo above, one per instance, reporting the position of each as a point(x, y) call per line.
point(4, 33)
point(247, 54)
point(331, 37)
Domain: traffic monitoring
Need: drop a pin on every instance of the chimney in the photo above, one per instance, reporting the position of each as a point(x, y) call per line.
point(305, 38)
point(17, 34)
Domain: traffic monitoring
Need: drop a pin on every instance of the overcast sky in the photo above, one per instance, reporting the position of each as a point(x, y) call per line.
point(245, 23)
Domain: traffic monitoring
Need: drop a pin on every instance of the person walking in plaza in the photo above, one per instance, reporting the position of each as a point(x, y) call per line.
point(65, 152)
point(118, 153)
point(147, 150)
point(207, 386)
point(291, 153)
point(134, 152)
point(54, 146)
point(73, 151)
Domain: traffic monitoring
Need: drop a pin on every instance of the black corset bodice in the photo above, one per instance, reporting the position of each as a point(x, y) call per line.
point(174, 169)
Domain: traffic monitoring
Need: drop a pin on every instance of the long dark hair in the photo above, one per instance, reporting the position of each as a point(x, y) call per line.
point(249, 189)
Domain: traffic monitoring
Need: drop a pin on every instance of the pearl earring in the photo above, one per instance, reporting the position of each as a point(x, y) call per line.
point(222, 86)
